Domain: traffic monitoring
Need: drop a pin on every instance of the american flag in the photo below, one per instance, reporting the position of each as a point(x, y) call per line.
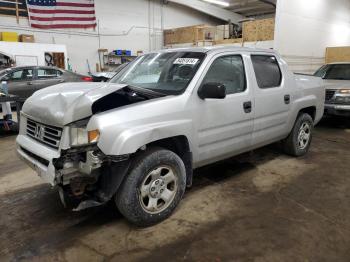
point(48, 14)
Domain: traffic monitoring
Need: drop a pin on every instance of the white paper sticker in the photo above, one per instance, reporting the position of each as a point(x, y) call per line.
point(186, 61)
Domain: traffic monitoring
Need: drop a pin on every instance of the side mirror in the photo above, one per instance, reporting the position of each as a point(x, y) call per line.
point(212, 90)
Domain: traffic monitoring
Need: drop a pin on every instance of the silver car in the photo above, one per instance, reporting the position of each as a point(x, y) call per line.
point(137, 139)
point(23, 81)
point(336, 77)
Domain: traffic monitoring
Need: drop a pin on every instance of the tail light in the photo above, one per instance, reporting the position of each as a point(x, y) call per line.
point(87, 78)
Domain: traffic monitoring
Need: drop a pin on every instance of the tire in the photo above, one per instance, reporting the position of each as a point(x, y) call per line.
point(153, 187)
point(293, 144)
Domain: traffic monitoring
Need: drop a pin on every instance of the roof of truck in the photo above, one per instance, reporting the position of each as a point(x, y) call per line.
point(218, 48)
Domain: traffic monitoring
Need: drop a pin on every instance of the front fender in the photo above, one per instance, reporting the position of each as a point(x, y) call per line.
point(128, 141)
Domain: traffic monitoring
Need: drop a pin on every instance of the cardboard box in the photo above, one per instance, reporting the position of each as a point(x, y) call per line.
point(9, 36)
point(26, 38)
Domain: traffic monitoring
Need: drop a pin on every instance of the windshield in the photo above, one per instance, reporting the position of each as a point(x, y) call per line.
point(335, 72)
point(167, 73)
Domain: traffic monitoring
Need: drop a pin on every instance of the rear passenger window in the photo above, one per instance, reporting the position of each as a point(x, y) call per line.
point(227, 70)
point(267, 71)
point(48, 73)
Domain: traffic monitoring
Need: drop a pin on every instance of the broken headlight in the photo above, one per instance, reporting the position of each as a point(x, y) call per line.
point(79, 135)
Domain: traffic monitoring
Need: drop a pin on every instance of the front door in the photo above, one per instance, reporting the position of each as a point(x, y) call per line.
point(225, 125)
point(20, 82)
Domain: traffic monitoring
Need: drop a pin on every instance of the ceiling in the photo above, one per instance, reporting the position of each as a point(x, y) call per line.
point(252, 7)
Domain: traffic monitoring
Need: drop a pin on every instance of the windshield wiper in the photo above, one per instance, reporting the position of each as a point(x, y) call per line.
point(145, 92)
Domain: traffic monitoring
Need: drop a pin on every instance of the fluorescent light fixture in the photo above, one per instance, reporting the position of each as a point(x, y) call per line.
point(217, 2)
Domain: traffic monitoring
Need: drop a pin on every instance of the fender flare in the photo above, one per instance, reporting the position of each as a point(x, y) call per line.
point(133, 138)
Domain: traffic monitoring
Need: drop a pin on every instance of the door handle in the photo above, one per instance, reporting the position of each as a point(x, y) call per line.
point(287, 99)
point(29, 83)
point(247, 106)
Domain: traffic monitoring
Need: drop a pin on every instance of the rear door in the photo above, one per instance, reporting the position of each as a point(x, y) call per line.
point(272, 100)
point(47, 77)
point(20, 82)
point(225, 126)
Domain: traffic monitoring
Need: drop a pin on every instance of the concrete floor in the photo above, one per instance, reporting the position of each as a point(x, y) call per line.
point(263, 206)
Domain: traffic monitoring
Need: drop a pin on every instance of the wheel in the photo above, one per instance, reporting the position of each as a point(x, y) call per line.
point(299, 140)
point(153, 188)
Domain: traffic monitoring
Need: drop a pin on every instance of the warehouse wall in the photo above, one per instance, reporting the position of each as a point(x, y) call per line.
point(305, 28)
point(133, 24)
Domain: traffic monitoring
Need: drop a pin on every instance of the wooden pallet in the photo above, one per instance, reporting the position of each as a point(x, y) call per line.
point(337, 54)
point(259, 30)
point(253, 31)
point(189, 34)
point(229, 41)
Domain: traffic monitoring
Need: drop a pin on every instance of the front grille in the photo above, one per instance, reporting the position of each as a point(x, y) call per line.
point(329, 94)
point(48, 135)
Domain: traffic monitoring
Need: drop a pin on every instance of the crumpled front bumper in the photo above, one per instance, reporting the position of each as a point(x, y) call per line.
point(38, 156)
point(337, 109)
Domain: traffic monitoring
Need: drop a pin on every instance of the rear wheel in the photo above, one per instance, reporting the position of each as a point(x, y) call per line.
point(153, 188)
point(299, 140)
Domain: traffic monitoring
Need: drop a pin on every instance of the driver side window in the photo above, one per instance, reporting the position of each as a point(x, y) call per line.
point(229, 71)
point(25, 74)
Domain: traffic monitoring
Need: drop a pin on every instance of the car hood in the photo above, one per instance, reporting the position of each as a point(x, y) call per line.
point(62, 104)
point(337, 84)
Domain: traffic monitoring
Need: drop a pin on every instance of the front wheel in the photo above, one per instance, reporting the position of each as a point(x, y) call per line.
point(299, 140)
point(153, 188)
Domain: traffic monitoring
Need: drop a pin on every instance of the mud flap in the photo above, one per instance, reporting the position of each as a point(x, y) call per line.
point(187, 158)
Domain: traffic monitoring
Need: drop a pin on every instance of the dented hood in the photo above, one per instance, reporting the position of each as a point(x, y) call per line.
point(62, 104)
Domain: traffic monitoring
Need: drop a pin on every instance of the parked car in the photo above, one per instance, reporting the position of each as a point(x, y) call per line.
point(25, 80)
point(137, 138)
point(106, 76)
point(337, 79)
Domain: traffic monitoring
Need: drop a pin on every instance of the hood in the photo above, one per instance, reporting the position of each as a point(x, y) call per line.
point(62, 104)
point(337, 84)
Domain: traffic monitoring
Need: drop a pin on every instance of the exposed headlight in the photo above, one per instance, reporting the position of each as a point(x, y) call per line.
point(344, 91)
point(81, 136)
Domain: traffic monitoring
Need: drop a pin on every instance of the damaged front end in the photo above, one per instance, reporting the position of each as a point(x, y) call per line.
point(85, 176)
point(54, 140)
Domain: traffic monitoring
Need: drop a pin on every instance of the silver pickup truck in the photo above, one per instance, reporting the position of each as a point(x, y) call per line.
point(336, 78)
point(137, 139)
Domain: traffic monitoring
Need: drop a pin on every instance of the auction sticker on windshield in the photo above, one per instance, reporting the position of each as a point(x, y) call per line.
point(186, 61)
